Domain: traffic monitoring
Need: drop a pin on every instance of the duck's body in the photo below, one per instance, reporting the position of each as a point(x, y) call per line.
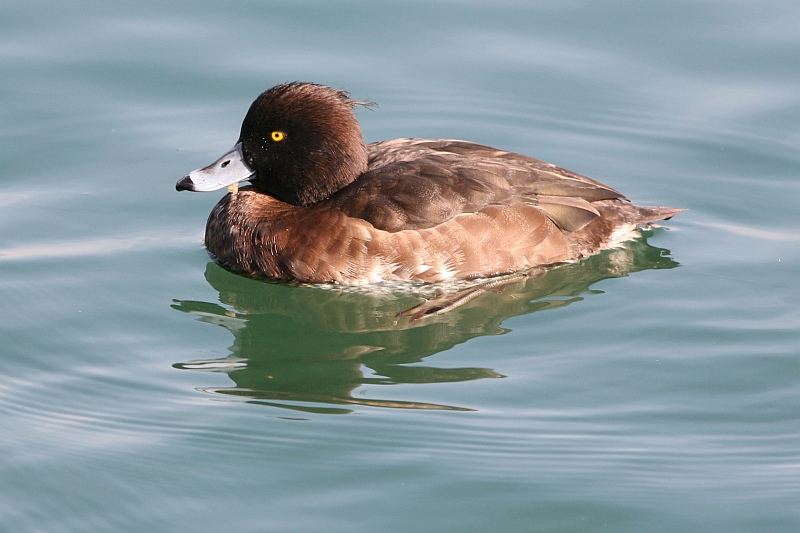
point(405, 210)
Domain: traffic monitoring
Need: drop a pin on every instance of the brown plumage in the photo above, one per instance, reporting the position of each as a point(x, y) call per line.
point(323, 207)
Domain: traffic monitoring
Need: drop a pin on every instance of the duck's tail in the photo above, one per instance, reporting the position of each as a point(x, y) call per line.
point(648, 215)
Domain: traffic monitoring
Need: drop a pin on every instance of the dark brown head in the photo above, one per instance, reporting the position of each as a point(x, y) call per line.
point(303, 141)
point(300, 143)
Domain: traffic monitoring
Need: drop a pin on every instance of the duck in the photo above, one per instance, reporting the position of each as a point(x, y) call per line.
point(321, 206)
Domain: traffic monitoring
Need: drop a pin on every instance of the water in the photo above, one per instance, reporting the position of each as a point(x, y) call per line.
point(650, 388)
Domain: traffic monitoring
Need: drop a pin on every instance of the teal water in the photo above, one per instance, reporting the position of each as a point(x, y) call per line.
point(654, 387)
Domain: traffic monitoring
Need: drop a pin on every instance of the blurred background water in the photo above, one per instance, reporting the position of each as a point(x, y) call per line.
point(651, 388)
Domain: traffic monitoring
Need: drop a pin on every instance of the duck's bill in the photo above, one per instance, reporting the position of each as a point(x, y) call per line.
point(227, 170)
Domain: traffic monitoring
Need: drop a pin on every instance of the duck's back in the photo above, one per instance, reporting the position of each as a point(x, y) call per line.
point(412, 184)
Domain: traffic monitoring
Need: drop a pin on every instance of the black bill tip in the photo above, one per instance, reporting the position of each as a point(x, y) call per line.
point(184, 184)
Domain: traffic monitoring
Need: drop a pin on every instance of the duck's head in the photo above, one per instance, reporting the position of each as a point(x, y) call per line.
point(300, 143)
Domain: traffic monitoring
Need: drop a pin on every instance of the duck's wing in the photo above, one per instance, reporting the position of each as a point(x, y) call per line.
point(523, 171)
point(418, 183)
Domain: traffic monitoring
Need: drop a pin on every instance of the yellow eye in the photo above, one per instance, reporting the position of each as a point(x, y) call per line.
point(277, 136)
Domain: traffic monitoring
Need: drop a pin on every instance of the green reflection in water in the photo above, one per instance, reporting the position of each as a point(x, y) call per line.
point(308, 348)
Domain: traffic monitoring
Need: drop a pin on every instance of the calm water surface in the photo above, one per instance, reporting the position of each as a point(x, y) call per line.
point(655, 387)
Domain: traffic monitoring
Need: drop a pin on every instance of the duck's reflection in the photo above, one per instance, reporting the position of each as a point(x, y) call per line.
point(308, 349)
